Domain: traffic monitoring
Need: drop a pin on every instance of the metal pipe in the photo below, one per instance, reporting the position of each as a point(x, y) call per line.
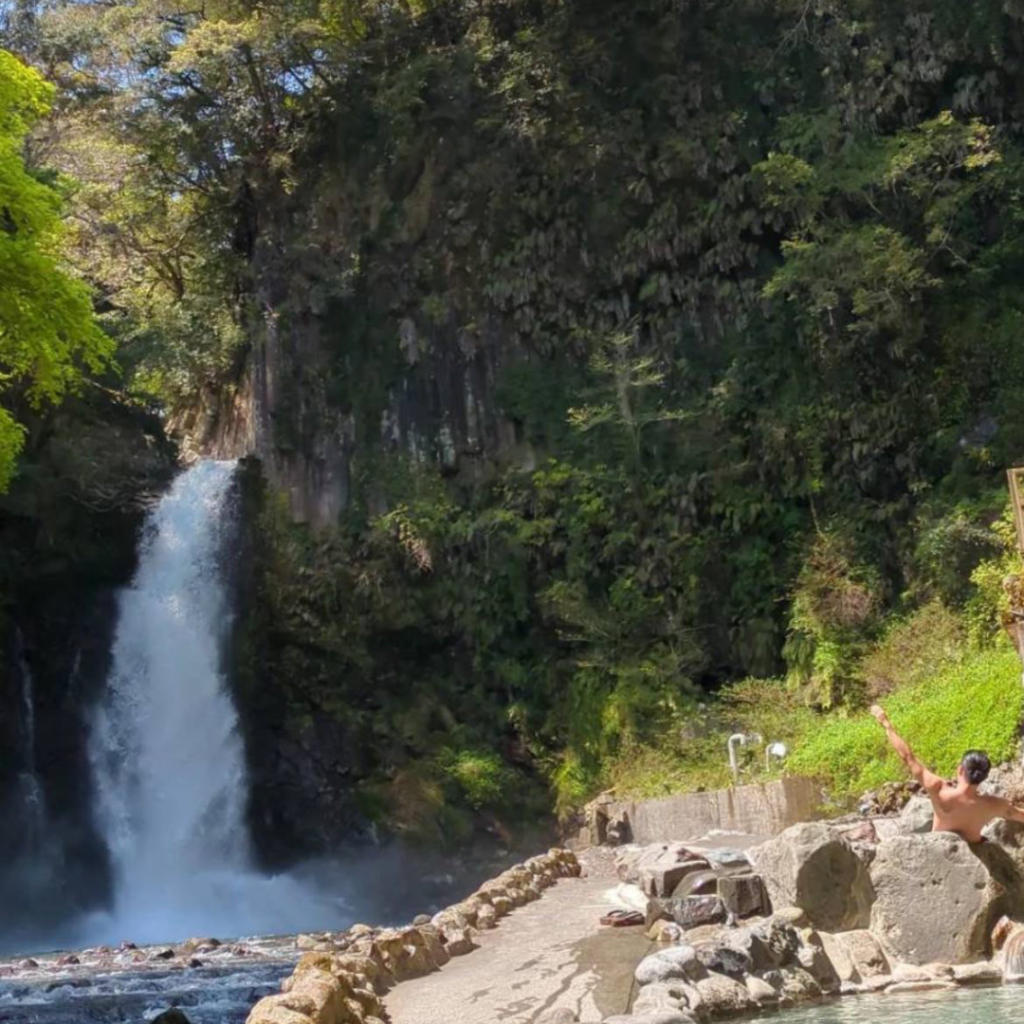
point(736, 739)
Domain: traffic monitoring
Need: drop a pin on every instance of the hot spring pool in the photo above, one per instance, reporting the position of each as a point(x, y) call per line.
point(996, 1005)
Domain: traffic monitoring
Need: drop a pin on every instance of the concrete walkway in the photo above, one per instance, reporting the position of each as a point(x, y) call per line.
point(550, 953)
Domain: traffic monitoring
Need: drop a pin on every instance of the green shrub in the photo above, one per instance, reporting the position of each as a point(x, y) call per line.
point(913, 648)
point(481, 776)
point(951, 547)
point(836, 606)
point(976, 704)
point(573, 782)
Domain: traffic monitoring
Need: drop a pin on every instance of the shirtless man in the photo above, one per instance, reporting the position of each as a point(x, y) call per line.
point(959, 807)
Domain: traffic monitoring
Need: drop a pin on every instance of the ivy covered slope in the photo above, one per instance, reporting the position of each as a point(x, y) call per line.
point(643, 348)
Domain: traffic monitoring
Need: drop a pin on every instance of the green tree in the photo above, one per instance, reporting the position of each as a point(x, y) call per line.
point(47, 329)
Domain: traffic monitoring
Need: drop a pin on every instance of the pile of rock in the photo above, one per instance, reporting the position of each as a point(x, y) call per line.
point(829, 909)
point(342, 982)
point(689, 888)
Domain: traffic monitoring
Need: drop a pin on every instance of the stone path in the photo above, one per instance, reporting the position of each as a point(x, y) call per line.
point(550, 953)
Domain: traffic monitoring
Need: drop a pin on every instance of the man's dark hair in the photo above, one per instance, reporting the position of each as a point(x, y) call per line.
point(976, 766)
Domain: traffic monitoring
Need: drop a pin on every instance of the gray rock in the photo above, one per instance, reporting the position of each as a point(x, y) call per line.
point(812, 867)
point(687, 912)
point(754, 949)
point(172, 1016)
point(840, 959)
point(727, 861)
point(661, 997)
point(698, 883)
point(934, 985)
point(723, 997)
point(977, 974)
point(676, 963)
point(814, 960)
point(760, 991)
point(743, 895)
point(658, 868)
point(626, 860)
point(935, 900)
point(780, 939)
point(917, 816)
point(733, 963)
point(868, 958)
point(930, 972)
point(793, 984)
point(661, 875)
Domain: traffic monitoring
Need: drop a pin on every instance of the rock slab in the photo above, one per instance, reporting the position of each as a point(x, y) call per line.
point(936, 901)
point(813, 867)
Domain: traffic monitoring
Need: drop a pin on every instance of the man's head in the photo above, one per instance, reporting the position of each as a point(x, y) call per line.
point(975, 767)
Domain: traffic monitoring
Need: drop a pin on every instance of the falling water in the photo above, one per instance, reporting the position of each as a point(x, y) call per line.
point(167, 756)
point(29, 786)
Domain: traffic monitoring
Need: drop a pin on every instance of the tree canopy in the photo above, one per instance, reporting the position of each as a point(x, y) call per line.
point(48, 333)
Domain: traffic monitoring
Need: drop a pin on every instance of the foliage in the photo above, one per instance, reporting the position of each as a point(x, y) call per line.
point(47, 332)
point(835, 605)
point(667, 344)
point(973, 705)
point(913, 648)
point(480, 774)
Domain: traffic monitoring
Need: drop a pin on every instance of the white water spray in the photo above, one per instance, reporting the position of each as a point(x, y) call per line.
point(29, 786)
point(167, 756)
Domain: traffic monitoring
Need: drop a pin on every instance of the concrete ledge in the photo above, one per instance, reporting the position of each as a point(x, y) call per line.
point(763, 809)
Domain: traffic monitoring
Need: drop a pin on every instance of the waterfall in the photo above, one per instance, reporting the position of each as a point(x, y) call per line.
point(29, 786)
point(167, 757)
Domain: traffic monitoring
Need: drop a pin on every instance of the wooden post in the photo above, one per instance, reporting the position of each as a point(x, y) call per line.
point(1013, 477)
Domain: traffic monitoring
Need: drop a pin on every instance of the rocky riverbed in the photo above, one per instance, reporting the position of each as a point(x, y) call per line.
point(212, 982)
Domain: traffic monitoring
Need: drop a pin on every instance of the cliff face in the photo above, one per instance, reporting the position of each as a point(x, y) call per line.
point(340, 369)
point(68, 530)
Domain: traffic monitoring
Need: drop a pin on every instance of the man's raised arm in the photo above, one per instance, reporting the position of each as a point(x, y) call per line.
point(929, 780)
point(1009, 811)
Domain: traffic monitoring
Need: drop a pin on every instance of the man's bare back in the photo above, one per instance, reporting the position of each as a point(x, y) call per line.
point(959, 807)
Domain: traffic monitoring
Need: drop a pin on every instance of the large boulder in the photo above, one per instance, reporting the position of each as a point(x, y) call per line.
point(936, 901)
point(813, 867)
point(917, 816)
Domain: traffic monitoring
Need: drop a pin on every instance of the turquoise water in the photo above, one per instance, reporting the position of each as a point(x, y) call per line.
point(998, 1005)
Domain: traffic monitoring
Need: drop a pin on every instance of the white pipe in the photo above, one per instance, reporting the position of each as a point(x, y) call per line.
point(740, 739)
point(774, 750)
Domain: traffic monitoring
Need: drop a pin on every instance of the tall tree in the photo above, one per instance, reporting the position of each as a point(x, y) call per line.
point(47, 330)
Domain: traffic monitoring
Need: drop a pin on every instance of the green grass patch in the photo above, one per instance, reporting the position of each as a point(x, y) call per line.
point(975, 704)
